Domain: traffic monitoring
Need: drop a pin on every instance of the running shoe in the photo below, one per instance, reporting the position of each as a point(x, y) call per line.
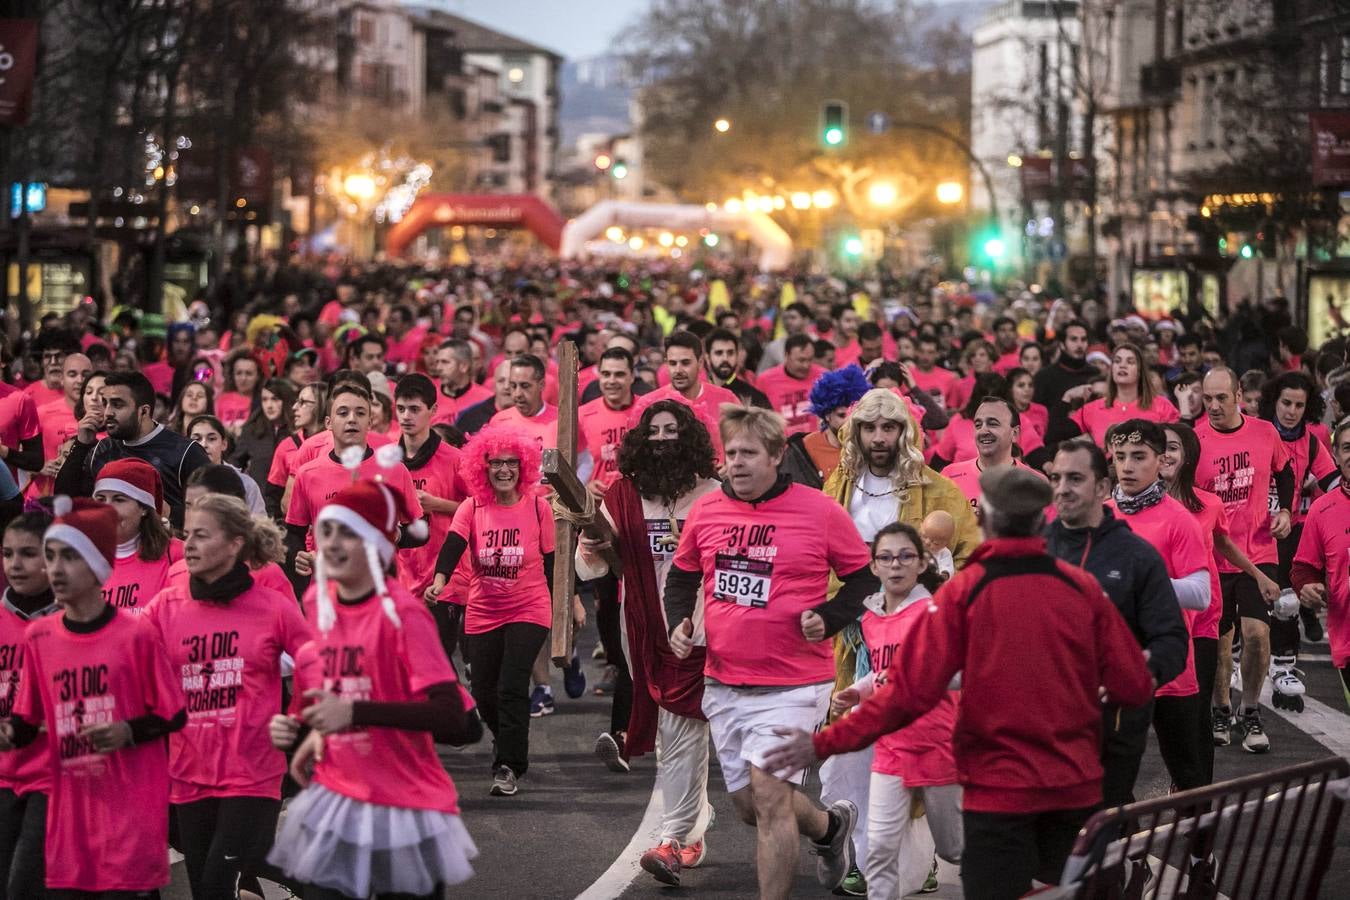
point(503, 782)
point(692, 856)
point(853, 885)
point(574, 680)
point(1222, 717)
point(1254, 738)
point(607, 680)
point(541, 702)
point(835, 859)
point(1312, 625)
point(930, 884)
point(598, 652)
point(610, 749)
point(663, 862)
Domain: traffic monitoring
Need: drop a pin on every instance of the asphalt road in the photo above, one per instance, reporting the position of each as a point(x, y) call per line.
point(561, 835)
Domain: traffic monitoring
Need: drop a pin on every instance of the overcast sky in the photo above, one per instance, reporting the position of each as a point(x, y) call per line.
point(575, 28)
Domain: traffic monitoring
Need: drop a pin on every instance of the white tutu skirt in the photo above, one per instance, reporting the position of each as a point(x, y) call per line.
point(360, 849)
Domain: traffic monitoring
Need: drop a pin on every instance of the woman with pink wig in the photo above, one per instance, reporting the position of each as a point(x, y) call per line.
point(507, 529)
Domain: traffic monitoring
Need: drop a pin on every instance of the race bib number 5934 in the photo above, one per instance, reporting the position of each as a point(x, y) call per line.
point(742, 581)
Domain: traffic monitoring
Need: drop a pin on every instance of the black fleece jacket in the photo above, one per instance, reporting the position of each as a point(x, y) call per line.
point(1135, 578)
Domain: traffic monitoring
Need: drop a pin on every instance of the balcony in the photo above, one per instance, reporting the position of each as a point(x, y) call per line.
point(1160, 80)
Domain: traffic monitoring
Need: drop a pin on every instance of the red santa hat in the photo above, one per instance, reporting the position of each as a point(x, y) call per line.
point(372, 510)
point(134, 478)
point(89, 528)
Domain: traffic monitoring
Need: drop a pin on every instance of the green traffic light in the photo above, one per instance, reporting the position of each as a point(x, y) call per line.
point(853, 246)
point(834, 136)
point(1246, 251)
point(993, 248)
point(619, 171)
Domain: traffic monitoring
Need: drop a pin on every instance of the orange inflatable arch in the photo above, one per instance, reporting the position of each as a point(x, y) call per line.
point(490, 210)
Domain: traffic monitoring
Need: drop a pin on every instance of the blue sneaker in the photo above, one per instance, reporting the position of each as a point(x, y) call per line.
point(541, 703)
point(574, 680)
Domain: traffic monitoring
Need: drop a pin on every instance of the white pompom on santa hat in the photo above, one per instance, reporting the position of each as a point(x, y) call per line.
point(89, 528)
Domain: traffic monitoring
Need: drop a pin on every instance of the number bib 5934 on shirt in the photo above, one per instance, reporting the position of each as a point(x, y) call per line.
point(737, 579)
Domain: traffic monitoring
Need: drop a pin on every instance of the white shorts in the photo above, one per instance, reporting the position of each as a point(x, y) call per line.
point(742, 721)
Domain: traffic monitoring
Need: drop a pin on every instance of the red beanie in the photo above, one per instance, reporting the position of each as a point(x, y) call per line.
point(89, 528)
point(135, 478)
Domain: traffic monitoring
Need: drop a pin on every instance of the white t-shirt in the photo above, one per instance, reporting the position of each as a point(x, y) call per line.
point(873, 505)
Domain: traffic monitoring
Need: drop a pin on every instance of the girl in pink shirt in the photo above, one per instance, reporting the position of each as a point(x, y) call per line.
point(25, 775)
point(1129, 395)
point(917, 760)
point(225, 635)
point(378, 813)
point(1033, 417)
point(243, 382)
point(145, 549)
point(507, 528)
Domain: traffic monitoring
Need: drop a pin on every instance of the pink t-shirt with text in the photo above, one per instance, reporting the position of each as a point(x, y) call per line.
point(1094, 418)
point(439, 477)
point(319, 480)
point(134, 582)
point(1213, 521)
point(1240, 467)
point(1325, 545)
point(26, 769)
point(600, 430)
point(791, 397)
point(506, 550)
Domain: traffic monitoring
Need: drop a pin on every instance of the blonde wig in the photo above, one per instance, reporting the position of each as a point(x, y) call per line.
point(876, 405)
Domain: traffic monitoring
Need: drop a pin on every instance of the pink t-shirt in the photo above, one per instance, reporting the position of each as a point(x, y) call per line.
point(957, 443)
point(791, 397)
point(1175, 534)
point(1094, 418)
point(542, 426)
point(921, 752)
point(160, 374)
point(321, 444)
point(367, 657)
point(935, 381)
point(227, 656)
point(319, 480)
point(600, 429)
point(448, 408)
point(41, 394)
point(407, 349)
point(108, 813)
point(1306, 474)
point(280, 471)
point(134, 582)
point(439, 477)
point(763, 566)
point(232, 408)
point(58, 426)
point(707, 407)
point(506, 548)
point(1326, 545)
point(27, 769)
point(1008, 361)
point(1240, 467)
point(270, 576)
point(18, 418)
point(1033, 421)
point(1213, 521)
point(966, 475)
point(958, 392)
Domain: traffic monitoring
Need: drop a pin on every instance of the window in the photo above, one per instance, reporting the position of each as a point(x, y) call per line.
point(1345, 64)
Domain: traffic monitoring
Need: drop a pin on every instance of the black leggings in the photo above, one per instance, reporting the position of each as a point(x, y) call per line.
point(1206, 665)
point(449, 626)
point(23, 822)
point(1284, 635)
point(1176, 724)
point(1005, 851)
point(222, 838)
point(501, 660)
point(608, 621)
point(315, 892)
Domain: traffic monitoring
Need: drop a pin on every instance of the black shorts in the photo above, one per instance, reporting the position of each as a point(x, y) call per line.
point(1242, 598)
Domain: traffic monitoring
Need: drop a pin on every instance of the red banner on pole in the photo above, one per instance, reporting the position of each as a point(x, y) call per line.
point(18, 68)
point(1330, 148)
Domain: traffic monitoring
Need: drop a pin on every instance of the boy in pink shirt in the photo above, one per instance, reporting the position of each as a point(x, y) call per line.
point(788, 386)
point(101, 683)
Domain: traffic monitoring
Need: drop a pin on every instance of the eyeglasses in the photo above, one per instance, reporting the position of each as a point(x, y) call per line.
point(503, 463)
point(898, 559)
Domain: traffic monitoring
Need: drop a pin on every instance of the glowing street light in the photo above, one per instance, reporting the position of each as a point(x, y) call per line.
point(711, 239)
point(614, 233)
point(733, 205)
point(823, 199)
point(635, 243)
point(882, 193)
point(666, 239)
point(722, 126)
point(603, 161)
point(359, 187)
point(949, 192)
point(801, 200)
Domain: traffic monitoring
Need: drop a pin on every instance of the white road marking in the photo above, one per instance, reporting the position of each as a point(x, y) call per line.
point(1329, 727)
point(615, 880)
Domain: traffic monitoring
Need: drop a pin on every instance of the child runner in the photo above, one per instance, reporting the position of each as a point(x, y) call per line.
point(225, 635)
point(915, 762)
point(145, 549)
point(379, 816)
point(100, 681)
point(25, 775)
point(508, 529)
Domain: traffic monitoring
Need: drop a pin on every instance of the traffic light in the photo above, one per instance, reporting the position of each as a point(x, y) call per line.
point(619, 170)
point(993, 248)
point(834, 123)
point(853, 246)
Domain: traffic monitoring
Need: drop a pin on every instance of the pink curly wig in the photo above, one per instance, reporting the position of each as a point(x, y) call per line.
point(494, 441)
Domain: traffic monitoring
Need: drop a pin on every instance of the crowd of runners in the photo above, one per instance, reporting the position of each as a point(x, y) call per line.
point(948, 556)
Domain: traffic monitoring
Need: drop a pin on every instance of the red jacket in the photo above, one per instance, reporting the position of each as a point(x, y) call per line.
point(1034, 638)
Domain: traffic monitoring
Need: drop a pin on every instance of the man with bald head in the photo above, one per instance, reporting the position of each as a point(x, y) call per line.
point(1243, 460)
point(58, 420)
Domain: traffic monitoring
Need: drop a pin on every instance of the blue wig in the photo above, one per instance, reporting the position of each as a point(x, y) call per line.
point(842, 387)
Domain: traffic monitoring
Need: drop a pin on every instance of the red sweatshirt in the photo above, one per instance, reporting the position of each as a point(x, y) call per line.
point(1034, 638)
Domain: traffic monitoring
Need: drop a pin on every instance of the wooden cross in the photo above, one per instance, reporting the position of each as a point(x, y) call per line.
point(559, 469)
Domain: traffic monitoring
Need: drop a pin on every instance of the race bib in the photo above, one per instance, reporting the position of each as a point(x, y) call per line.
point(745, 582)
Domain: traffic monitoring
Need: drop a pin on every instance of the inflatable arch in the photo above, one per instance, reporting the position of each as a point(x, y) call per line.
point(775, 247)
point(491, 210)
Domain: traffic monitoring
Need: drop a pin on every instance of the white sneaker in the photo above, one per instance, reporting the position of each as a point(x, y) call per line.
point(1254, 738)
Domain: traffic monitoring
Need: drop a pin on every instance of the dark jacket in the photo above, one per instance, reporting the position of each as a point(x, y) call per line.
point(1052, 382)
point(255, 447)
point(1135, 578)
point(173, 456)
point(1033, 639)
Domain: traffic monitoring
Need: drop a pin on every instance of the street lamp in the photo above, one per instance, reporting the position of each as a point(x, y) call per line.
point(359, 186)
point(614, 233)
point(949, 192)
point(801, 200)
point(722, 126)
point(823, 199)
point(882, 193)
